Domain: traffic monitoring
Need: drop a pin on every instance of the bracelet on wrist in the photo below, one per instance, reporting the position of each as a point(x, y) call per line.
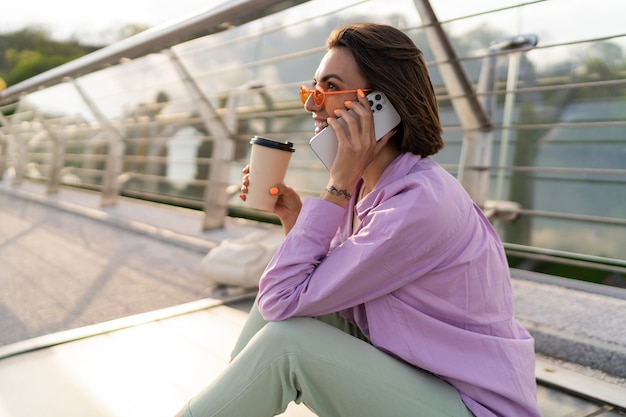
point(332, 190)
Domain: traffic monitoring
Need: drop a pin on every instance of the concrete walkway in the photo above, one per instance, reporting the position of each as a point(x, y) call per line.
point(103, 312)
point(68, 263)
point(146, 370)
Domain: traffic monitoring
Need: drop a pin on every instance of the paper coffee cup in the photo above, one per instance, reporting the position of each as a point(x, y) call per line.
point(269, 160)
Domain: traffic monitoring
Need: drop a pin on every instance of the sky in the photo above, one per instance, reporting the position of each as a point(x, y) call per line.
point(98, 22)
point(94, 20)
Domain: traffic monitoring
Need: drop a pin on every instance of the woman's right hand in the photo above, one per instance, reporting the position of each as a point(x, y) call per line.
point(287, 206)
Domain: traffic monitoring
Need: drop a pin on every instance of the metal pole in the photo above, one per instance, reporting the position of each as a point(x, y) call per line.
point(22, 157)
point(515, 46)
point(465, 102)
point(213, 19)
point(56, 158)
point(113, 167)
point(215, 196)
point(4, 154)
point(4, 143)
point(474, 118)
point(509, 105)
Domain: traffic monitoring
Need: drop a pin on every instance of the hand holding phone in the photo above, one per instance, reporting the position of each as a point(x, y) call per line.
point(324, 144)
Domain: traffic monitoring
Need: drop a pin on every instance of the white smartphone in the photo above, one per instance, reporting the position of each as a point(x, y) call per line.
point(324, 144)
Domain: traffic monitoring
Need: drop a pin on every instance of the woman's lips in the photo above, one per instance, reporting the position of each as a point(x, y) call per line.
point(320, 125)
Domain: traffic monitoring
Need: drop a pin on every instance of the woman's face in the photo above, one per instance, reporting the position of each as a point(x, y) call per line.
point(337, 71)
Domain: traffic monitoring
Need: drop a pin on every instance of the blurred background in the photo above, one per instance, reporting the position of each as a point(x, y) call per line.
point(125, 99)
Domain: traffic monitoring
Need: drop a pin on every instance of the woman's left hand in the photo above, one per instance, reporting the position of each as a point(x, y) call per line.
point(288, 204)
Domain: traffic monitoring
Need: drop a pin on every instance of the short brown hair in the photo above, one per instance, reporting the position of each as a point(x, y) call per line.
point(393, 64)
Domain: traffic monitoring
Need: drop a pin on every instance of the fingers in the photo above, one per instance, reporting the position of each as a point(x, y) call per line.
point(361, 107)
point(359, 121)
point(280, 190)
point(245, 182)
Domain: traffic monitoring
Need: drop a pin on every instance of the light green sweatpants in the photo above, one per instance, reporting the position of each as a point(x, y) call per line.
point(326, 364)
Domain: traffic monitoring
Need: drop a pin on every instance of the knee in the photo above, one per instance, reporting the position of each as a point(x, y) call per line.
point(285, 336)
point(286, 329)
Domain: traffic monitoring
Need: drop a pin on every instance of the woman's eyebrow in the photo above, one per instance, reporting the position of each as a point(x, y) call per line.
point(327, 77)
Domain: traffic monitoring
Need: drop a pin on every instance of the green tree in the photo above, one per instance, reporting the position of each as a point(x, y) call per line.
point(27, 63)
point(27, 52)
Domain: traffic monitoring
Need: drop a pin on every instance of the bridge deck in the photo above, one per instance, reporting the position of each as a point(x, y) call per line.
point(143, 331)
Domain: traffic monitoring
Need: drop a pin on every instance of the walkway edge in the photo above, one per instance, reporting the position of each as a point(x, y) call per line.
point(67, 336)
point(186, 241)
point(579, 384)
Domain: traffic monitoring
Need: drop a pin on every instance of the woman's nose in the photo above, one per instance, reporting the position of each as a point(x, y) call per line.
point(310, 105)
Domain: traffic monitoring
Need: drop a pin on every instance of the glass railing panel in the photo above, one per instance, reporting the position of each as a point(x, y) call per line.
point(460, 9)
point(560, 156)
point(46, 103)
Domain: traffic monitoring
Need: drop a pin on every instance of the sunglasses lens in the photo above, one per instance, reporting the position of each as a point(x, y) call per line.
point(318, 97)
point(305, 93)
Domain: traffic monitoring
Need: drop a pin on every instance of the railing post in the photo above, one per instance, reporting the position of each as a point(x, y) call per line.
point(21, 161)
point(476, 153)
point(4, 154)
point(115, 154)
point(475, 156)
point(56, 158)
point(215, 196)
point(4, 146)
point(472, 115)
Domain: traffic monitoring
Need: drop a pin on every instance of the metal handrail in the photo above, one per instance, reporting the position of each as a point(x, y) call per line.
point(490, 11)
point(564, 257)
point(504, 52)
point(566, 261)
point(544, 88)
point(215, 19)
point(569, 216)
point(561, 170)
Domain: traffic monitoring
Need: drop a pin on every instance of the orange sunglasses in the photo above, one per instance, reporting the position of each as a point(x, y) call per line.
point(319, 95)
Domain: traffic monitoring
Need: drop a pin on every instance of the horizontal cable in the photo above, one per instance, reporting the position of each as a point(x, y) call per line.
point(545, 126)
point(565, 254)
point(165, 198)
point(577, 217)
point(566, 261)
point(565, 170)
point(491, 11)
point(525, 49)
point(542, 88)
point(162, 179)
point(599, 171)
point(609, 171)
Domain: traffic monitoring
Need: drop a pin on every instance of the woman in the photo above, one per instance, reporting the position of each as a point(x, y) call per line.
point(391, 293)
